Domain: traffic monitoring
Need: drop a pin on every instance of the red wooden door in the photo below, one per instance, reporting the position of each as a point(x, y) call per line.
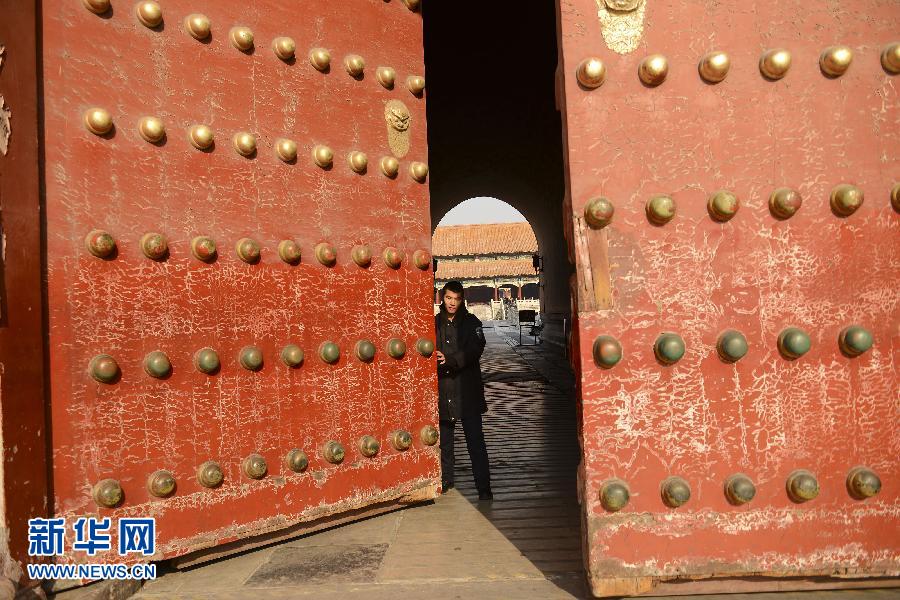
point(785, 442)
point(237, 257)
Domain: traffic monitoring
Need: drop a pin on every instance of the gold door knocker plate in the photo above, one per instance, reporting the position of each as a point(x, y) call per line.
point(622, 23)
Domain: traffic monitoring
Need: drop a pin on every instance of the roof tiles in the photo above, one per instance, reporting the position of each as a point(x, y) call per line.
point(484, 269)
point(479, 240)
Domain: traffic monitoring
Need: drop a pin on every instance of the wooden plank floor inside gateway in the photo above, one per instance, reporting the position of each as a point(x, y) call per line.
point(526, 544)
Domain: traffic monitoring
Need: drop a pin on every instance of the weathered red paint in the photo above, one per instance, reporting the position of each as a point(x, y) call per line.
point(129, 305)
point(702, 418)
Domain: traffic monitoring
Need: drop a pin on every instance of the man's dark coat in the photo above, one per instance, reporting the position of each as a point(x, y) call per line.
point(462, 366)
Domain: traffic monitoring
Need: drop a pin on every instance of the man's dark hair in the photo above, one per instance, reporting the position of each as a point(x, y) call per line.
point(455, 287)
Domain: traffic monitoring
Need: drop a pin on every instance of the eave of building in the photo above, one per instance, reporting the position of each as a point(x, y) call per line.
point(485, 269)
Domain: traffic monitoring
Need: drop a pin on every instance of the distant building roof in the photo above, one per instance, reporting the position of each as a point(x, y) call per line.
point(494, 238)
point(484, 269)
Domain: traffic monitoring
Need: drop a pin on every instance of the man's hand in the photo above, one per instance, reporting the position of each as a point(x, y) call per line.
point(441, 358)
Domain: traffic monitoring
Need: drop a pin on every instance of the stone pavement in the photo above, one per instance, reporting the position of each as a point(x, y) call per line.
point(526, 544)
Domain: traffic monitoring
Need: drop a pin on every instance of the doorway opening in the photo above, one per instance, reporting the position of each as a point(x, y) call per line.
point(494, 131)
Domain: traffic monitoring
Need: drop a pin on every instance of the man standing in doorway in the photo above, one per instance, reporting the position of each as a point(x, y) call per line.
point(460, 343)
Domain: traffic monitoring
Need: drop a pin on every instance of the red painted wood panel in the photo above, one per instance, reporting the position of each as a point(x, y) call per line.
point(24, 426)
point(130, 305)
point(704, 419)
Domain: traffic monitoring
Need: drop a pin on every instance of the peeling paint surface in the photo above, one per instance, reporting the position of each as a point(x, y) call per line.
point(5, 126)
point(5, 113)
point(128, 306)
point(704, 419)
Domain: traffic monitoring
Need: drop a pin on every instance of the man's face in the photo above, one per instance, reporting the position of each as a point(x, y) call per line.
point(452, 300)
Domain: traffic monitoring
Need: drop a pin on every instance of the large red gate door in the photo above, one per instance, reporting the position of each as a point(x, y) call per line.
point(735, 222)
point(238, 263)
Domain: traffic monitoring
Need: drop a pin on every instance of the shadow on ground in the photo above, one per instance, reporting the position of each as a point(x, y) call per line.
point(530, 430)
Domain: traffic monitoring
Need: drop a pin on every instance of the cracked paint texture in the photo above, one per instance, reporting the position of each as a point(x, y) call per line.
point(129, 305)
point(703, 419)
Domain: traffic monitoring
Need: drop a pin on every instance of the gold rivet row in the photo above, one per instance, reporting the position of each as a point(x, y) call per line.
point(99, 122)
point(154, 246)
point(104, 368)
point(773, 64)
point(731, 345)
point(844, 199)
point(800, 486)
point(162, 483)
point(198, 26)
